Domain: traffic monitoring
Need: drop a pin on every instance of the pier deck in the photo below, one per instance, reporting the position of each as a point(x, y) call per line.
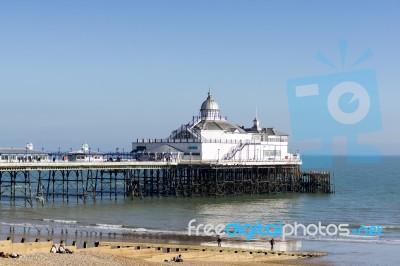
point(41, 182)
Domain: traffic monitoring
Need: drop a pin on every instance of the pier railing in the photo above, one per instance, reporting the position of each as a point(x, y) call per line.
point(187, 159)
point(204, 140)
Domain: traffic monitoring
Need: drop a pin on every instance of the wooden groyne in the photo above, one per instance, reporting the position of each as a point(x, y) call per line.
point(82, 182)
point(161, 252)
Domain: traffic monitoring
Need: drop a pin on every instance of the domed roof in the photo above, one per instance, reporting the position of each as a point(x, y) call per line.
point(209, 103)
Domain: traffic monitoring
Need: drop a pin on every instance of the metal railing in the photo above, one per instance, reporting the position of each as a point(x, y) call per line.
point(235, 149)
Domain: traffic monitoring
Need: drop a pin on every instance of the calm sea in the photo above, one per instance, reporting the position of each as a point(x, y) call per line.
point(367, 194)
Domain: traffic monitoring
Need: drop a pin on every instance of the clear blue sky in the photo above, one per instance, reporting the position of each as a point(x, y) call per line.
point(108, 72)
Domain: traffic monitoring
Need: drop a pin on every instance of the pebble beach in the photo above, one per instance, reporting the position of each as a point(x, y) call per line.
point(109, 253)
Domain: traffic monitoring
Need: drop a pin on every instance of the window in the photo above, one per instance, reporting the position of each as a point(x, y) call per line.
point(272, 153)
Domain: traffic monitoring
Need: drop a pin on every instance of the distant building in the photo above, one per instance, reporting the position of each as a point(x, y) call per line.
point(85, 154)
point(211, 137)
point(27, 154)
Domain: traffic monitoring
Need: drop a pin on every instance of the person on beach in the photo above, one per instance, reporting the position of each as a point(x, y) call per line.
point(14, 255)
point(179, 258)
point(53, 249)
point(61, 249)
point(66, 249)
point(219, 240)
point(4, 255)
point(272, 242)
point(9, 255)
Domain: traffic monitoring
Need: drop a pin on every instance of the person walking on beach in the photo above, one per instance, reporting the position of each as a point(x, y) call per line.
point(219, 240)
point(272, 242)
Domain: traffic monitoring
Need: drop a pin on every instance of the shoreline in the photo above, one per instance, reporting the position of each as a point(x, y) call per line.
point(112, 248)
point(338, 252)
point(88, 237)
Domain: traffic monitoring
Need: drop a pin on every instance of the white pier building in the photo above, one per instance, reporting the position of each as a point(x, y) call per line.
point(210, 137)
point(85, 154)
point(27, 154)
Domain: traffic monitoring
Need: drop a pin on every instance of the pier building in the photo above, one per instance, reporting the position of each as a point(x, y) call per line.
point(211, 137)
point(27, 154)
point(85, 154)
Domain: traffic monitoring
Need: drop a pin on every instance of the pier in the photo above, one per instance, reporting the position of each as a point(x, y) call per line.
point(206, 157)
point(38, 183)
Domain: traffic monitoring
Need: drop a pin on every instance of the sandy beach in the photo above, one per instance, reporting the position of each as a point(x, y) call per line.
point(123, 253)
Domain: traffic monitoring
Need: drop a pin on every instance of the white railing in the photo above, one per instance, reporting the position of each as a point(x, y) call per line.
point(235, 149)
point(188, 127)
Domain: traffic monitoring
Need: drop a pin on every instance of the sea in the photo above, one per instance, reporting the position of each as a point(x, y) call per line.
point(366, 202)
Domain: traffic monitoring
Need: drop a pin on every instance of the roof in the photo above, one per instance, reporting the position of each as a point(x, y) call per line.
point(20, 151)
point(269, 131)
point(209, 103)
point(273, 131)
point(165, 148)
point(219, 125)
point(80, 152)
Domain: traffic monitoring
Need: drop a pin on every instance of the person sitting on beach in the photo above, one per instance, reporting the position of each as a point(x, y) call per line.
point(53, 249)
point(61, 249)
point(179, 258)
point(11, 255)
point(14, 255)
point(4, 255)
point(67, 250)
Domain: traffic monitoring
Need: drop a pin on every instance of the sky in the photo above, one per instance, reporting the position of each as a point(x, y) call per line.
point(109, 72)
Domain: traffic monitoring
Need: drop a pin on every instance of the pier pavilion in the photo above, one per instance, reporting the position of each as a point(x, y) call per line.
point(85, 154)
point(210, 137)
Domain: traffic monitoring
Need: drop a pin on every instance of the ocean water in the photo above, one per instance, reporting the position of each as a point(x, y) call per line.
point(366, 194)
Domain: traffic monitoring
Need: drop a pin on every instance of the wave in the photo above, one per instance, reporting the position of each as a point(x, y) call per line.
point(140, 230)
point(131, 229)
point(60, 221)
point(109, 226)
point(391, 227)
point(14, 224)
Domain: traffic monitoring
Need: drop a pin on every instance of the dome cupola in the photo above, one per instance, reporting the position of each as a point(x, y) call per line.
point(210, 109)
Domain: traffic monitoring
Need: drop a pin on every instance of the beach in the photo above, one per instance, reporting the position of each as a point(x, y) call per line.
point(126, 253)
point(92, 258)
